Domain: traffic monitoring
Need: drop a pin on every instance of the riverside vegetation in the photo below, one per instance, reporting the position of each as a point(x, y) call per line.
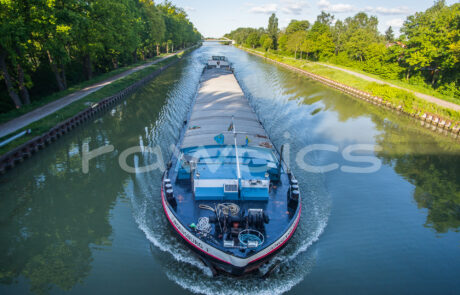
point(424, 58)
point(48, 46)
point(45, 124)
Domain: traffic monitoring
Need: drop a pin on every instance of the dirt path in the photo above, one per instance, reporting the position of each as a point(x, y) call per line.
point(43, 111)
point(432, 99)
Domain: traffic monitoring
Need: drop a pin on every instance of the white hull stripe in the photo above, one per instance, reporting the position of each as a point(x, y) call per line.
point(218, 254)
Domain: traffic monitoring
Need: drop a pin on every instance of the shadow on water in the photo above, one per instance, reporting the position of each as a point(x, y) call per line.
point(51, 218)
point(433, 169)
point(429, 162)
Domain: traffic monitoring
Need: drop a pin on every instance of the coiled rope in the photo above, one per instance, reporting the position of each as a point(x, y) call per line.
point(224, 208)
point(203, 225)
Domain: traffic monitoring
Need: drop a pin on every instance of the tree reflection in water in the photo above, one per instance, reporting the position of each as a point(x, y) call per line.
point(50, 224)
point(47, 232)
point(429, 161)
point(434, 170)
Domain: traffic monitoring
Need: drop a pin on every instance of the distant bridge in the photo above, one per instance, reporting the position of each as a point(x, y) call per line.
point(223, 39)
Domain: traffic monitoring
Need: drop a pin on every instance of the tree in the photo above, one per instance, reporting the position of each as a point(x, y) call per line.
point(72, 39)
point(282, 41)
point(325, 18)
point(262, 39)
point(153, 33)
point(339, 36)
point(295, 41)
point(432, 42)
point(268, 43)
point(428, 48)
point(273, 30)
point(361, 31)
point(252, 40)
point(308, 46)
point(14, 33)
point(297, 25)
point(389, 35)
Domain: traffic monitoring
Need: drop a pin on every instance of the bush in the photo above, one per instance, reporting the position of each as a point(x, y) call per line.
point(417, 79)
point(342, 59)
point(450, 89)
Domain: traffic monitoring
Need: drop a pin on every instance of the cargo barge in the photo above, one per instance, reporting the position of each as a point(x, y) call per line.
point(227, 191)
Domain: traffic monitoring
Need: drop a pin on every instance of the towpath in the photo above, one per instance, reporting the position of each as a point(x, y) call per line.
point(43, 111)
point(432, 99)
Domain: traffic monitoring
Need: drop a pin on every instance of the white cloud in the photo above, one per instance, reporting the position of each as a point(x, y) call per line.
point(395, 22)
point(388, 11)
point(342, 7)
point(265, 8)
point(293, 7)
point(324, 4)
point(335, 8)
point(189, 9)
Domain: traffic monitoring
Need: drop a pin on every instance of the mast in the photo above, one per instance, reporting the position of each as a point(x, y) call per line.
point(236, 152)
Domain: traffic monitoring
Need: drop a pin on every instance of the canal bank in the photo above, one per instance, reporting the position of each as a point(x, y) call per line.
point(446, 123)
point(15, 152)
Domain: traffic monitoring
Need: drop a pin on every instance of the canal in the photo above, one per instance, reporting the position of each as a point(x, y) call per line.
point(387, 223)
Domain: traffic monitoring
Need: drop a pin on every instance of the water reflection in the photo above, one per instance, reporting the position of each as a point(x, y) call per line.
point(429, 161)
point(52, 217)
point(431, 168)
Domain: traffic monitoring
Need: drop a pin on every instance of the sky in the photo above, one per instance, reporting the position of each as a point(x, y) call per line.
point(214, 18)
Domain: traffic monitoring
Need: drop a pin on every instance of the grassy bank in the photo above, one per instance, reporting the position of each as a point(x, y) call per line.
point(41, 101)
point(409, 102)
point(414, 87)
point(48, 122)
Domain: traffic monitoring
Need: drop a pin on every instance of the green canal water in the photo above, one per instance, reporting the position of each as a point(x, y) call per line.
point(394, 230)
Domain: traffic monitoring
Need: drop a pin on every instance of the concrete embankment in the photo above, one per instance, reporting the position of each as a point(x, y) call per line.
point(431, 121)
point(10, 159)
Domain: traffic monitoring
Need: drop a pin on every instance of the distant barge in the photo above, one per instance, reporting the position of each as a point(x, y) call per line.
point(227, 192)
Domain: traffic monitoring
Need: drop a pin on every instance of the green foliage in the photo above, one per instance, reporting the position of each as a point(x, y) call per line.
point(45, 124)
point(398, 96)
point(64, 42)
point(294, 42)
point(361, 33)
point(389, 35)
point(434, 176)
point(253, 40)
point(282, 42)
point(433, 44)
point(297, 25)
point(268, 43)
point(427, 55)
point(240, 35)
point(272, 31)
point(408, 100)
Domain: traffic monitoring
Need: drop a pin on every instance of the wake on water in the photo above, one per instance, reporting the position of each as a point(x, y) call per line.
point(181, 265)
point(184, 268)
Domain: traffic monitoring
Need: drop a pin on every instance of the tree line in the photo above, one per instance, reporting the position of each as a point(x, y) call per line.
point(47, 45)
point(426, 53)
